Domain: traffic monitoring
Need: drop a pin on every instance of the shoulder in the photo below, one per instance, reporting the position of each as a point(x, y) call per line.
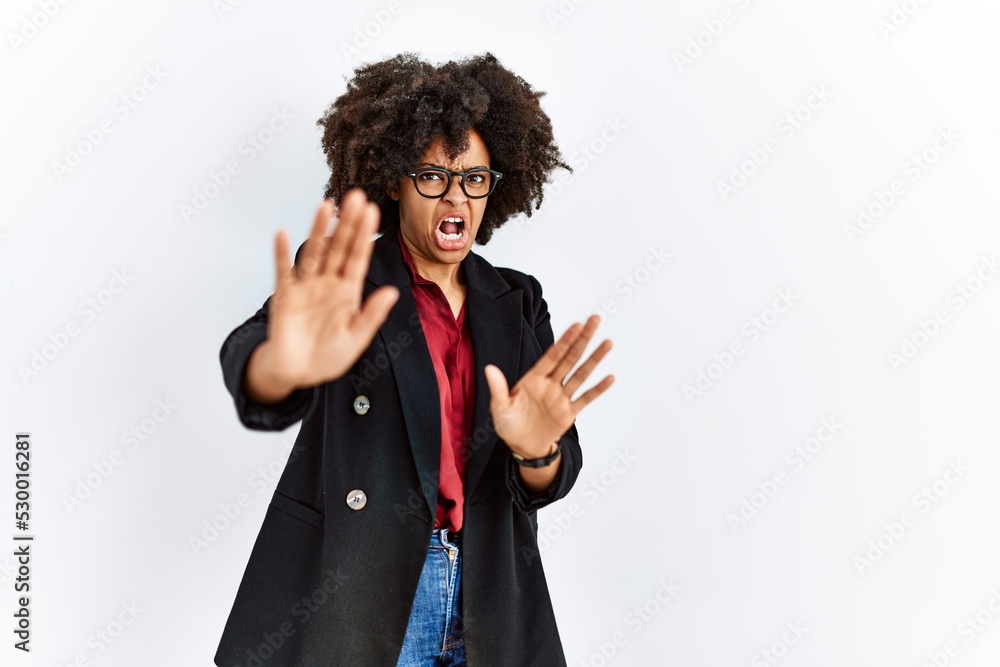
point(520, 280)
point(535, 309)
point(481, 274)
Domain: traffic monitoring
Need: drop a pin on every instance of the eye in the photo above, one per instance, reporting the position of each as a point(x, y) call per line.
point(430, 176)
point(476, 177)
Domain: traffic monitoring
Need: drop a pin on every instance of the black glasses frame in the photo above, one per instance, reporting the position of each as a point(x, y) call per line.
point(496, 176)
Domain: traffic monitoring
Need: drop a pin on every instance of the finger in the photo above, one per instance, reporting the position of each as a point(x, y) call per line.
point(586, 368)
point(350, 218)
point(356, 267)
point(282, 265)
point(548, 361)
point(374, 311)
point(588, 396)
point(576, 349)
point(313, 254)
point(497, 383)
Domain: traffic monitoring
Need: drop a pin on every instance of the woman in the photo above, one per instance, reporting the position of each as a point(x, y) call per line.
point(437, 411)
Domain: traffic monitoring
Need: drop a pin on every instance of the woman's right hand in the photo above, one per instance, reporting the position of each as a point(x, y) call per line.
point(317, 326)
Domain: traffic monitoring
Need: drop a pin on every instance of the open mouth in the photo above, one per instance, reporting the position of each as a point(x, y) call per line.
point(452, 227)
point(452, 232)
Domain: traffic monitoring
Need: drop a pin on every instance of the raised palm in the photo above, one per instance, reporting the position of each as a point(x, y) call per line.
point(317, 324)
point(540, 408)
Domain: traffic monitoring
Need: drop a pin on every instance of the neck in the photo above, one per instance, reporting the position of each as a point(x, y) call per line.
point(445, 275)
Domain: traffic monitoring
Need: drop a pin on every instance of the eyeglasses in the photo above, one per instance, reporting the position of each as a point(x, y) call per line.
point(434, 182)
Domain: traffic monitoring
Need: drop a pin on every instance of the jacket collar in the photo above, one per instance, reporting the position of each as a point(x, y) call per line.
point(389, 268)
point(494, 316)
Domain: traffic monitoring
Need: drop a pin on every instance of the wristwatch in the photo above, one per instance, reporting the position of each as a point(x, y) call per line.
point(538, 463)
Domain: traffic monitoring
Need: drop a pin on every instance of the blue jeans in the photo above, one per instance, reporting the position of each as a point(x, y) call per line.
point(434, 635)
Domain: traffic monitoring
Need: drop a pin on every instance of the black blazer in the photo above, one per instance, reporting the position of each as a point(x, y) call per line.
point(328, 585)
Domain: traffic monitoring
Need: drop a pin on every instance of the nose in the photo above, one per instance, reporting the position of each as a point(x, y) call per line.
point(455, 195)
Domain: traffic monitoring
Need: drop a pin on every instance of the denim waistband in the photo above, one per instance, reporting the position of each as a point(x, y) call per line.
point(446, 538)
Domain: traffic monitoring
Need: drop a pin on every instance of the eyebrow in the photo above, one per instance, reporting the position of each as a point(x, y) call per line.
point(440, 166)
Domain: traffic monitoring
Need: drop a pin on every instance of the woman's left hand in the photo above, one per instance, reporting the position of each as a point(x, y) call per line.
point(540, 408)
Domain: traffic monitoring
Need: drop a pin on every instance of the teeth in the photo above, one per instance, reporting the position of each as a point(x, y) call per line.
point(458, 220)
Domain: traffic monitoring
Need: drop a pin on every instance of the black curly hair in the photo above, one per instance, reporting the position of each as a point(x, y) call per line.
point(395, 108)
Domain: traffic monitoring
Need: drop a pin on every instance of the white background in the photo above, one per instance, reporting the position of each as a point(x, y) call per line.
point(808, 556)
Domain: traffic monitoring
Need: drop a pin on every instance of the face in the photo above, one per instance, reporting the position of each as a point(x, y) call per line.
point(442, 230)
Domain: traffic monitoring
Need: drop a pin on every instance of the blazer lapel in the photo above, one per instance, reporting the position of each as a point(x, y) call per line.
point(412, 367)
point(494, 315)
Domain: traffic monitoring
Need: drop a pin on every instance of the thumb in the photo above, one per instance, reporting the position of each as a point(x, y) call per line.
point(376, 309)
point(497, 383)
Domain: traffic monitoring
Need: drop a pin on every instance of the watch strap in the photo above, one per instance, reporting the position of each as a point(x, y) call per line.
point(539, 462)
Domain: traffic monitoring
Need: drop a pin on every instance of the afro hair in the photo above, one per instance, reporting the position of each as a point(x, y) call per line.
point(393, 109)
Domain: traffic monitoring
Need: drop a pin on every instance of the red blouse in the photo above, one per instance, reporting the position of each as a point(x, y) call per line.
point(450, 344)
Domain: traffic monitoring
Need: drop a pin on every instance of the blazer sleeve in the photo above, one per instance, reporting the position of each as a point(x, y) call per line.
point(572, 456)
point(234, 356)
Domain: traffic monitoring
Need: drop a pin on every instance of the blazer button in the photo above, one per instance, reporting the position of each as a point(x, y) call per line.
point(356, 499)
point(361, 404)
